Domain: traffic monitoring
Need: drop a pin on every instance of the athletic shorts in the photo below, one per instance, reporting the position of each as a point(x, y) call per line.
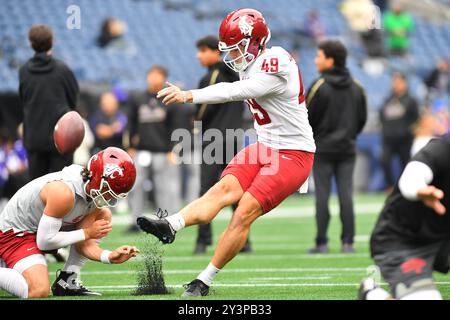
point(15, 247)
point(270, 175)
point(410, 270)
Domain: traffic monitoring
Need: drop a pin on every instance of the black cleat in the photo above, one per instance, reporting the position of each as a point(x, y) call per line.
point(320, 248)
point(247, 247)
point(67, 284)
point(200, 248)
point(348, 248)
point(160, 228)
point(196, 288)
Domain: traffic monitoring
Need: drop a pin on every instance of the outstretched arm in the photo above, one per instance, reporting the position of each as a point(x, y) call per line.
point(91, 249)
point(414, 185)
point(260, 84)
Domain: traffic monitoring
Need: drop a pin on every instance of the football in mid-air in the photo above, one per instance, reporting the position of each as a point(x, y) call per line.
point(69, 132)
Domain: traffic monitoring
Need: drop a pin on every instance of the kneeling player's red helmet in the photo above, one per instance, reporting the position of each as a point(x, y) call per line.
point(243, 28)
point(110, 176)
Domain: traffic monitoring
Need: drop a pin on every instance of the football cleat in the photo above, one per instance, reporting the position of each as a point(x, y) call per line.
point(320, 248)
point(196, 288)
point(247, 248)
point(348, 248)
point(200, 248)
point(160, 228)
point(367, 285)
point(67, 284)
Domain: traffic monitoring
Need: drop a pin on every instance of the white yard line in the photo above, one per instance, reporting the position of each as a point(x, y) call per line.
point(362, 238)
point(246, 285)
point(273, 243)
point(274, 256)
point(281, 212)
point(234, 285)
point(288, 278)
point(243, 270)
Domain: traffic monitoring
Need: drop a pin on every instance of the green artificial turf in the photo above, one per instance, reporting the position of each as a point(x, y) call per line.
point(279, 267)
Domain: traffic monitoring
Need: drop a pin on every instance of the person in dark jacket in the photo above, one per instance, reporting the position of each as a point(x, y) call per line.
point(220, 116)
point(47, 90)
point(337, 109)
point(397, 116)
point(109, 123)
point(438, 81)
point(150, 127)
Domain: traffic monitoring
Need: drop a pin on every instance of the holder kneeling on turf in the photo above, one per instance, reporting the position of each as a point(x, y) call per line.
point(69, 207)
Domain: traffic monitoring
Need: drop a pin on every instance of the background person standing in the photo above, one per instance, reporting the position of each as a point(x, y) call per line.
point(47, 90)
point(398, 25)
point(151, 125)
point(221, 116)
point(397, 116)
point(337, 110)
point(108, 123)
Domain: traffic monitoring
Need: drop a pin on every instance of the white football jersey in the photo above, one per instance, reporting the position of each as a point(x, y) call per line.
point(24, 210)
point(272, 87)
point(281, 118)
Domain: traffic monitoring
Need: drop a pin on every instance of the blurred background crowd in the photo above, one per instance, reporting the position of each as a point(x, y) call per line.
point(125, 50)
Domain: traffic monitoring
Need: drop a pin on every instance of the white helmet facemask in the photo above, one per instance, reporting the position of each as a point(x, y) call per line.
point(242, 61)
point(245, 58)
point(105, 197)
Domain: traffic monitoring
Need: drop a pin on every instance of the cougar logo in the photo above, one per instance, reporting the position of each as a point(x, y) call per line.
point(415, 264)
point(245, 26)
point(111, 169)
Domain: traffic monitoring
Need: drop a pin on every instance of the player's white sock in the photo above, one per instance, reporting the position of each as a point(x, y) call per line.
point(176, 221)
point(13, 282)
point(75, 261)
point(377, 294)
point(208, 275)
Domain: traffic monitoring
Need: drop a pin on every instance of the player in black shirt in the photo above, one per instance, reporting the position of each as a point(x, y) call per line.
point(220, 117)
point(412, 236)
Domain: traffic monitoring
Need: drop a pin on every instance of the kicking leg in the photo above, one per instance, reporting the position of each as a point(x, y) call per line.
point(203, 210)
point(230, 243)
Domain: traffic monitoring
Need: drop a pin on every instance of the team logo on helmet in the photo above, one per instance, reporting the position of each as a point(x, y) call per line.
point(111, 169)
point(245, 26)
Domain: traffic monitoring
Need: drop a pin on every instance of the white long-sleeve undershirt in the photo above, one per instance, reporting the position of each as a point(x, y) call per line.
point(259, 85)
point(49, 237)
point(416, 176)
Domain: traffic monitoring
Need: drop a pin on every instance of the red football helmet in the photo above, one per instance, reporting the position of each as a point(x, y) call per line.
point(243, 28)
point(110, 176)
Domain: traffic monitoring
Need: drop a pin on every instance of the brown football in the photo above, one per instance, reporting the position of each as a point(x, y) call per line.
point(69, 132)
